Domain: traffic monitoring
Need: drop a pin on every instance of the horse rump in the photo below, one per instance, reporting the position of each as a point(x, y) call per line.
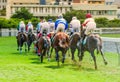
point(61, 43)
point(43, 47)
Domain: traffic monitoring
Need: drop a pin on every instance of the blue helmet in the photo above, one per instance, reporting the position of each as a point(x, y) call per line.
point(50, 20)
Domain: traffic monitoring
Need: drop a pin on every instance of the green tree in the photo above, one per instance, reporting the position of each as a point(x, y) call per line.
point(23, 13)
point(80, 14)
point(101, 22)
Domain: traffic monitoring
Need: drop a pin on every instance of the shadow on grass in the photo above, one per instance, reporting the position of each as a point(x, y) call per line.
point(54, 67)
point(18, 53)
point(57, 67)
point(37, 61)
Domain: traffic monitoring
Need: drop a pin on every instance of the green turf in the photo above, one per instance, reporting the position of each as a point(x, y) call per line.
point(26, 67)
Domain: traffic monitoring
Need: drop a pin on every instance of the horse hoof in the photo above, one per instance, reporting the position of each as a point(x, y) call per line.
point(106, 63)
point(95, 68)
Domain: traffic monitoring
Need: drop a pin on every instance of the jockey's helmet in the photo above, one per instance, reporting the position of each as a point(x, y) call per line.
point(74, 18)
point(60, 16)
point(29, 22)
point(44, 20)
point(50, 20)
point(88, 15)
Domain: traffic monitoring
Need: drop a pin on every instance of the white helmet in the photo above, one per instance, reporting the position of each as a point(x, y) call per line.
point(44, 20)
point(74, 18)
point(29, 22)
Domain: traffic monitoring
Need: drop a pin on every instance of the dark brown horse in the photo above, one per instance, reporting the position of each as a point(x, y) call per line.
point(73, 44)
point(43, 46)
point(61, 43)
point(31, 39)
point(22, 40)
point(93, 42)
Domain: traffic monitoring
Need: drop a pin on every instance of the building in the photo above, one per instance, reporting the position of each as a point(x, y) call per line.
point(88, 1)
point(117, 2)
point(3, 4)
point(109, 2)
point(97, 8)
point(36, 8)
point(108, 11)
point(96, 1)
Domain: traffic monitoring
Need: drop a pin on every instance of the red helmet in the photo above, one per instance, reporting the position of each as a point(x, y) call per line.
point(88, 15)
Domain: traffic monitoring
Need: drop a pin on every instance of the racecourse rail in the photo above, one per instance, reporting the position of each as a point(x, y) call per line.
point(13, 31)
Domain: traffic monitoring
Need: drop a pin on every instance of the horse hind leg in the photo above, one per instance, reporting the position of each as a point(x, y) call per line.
point(25, 46)
point(94, 58)
point(28, 46)
point(20, 48)
point(57, 58)
point(73, 51)
point(99, 49)
point(51, 50)
point(105, 62)
point(41, 58)
point(63, 59)
point(17, 45)
point(48, 55)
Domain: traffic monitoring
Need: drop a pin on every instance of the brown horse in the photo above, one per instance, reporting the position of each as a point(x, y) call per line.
point(22, 39)
point(43, 46)
point(93, 42)
point(61, 43)
point(73, 44)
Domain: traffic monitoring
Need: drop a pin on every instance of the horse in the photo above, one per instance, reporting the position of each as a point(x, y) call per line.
point(73, 44)
point(43, 46)
point(93, 42)
point(60, 43)
point(31, 39)
point(22, 39)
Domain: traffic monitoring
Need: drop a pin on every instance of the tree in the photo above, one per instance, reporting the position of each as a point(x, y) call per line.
point(23, 13)
point(80, 14)
point(101, 22)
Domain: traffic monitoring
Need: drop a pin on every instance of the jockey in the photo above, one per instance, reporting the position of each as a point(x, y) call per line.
point(52, 25)
point(75, 25)
point(21, 27)
point(89, 25)
point(45, 28)
point(29, 27)
point(38, 28)
point(61, 24)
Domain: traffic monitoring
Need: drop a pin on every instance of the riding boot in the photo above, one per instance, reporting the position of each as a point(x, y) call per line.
point(52, 38)
point(46, 43)
point(83, 39)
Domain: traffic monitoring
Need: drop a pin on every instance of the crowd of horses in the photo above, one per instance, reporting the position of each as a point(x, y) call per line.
point(63, 42)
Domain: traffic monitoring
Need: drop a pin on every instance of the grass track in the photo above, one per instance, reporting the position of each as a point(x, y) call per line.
point(26, 67)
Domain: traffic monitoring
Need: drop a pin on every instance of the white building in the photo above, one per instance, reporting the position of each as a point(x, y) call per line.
point(96, 9)
point(3, 4)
